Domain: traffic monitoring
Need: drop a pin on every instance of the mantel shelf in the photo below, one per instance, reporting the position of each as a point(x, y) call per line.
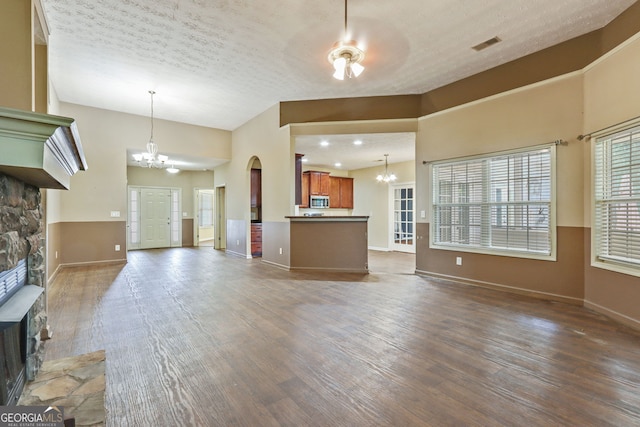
point(14, 310)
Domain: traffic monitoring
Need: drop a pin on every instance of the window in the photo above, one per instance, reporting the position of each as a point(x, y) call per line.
point(616, 219)
point(205, 214)
point(502, 203)
point(176, 220)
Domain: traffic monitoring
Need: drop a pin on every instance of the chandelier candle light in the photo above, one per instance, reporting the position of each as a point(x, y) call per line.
point(346, 56)
point(151, 156)
point(387, 177)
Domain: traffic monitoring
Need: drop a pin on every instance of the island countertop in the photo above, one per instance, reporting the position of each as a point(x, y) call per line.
point(323, 218)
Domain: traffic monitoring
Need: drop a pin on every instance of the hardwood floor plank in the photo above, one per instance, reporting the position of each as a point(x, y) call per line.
point(195, 337)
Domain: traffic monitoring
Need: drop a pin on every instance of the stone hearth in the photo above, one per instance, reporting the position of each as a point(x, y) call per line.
point(76, 383)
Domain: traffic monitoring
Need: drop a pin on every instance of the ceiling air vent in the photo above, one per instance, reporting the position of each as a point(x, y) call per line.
point(485, 44)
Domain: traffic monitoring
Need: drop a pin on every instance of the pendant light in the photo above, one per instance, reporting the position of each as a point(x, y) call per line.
point(151, 158)
point(387, 177)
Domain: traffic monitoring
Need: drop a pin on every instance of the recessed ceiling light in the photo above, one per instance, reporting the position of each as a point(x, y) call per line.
point(324, 143)
point(357, 142)
point(305, 160)
point(338, 164)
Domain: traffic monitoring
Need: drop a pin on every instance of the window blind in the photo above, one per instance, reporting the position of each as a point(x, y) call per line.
point(617, 197)
point(497, 203)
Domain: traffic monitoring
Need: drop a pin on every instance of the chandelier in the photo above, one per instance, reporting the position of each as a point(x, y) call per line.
point(151, 158)
point(387, 177)
point(346, 56)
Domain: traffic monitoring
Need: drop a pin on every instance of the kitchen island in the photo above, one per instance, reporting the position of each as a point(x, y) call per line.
point(329, 243)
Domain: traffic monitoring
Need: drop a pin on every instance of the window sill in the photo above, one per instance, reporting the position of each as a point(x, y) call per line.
point(616, 267)
point(495, 252)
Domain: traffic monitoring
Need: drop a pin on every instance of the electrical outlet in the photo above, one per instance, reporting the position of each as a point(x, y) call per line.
point(117, 248)
point(280, 251)
point(458, 260)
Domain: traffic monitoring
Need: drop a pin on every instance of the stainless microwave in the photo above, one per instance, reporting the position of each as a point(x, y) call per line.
point(319, 202)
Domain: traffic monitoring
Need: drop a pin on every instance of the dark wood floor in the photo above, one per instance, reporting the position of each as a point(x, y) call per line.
point(194, 337)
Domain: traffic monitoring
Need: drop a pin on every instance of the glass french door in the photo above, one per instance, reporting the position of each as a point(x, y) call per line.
point(402, 218)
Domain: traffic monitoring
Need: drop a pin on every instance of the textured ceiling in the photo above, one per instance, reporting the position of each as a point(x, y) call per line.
point(218, 63)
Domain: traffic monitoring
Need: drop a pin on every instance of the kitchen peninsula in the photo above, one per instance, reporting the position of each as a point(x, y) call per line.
point(329, 243)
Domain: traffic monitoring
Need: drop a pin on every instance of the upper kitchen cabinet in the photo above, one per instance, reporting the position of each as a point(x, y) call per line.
point(341, 192)
point(319, 183)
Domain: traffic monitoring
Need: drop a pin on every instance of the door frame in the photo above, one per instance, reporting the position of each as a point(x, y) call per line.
point(175, 215)
point(220, 218)
point(196, 211)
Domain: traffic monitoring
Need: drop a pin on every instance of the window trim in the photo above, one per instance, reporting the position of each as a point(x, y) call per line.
point(607, 264)
point(552, 256)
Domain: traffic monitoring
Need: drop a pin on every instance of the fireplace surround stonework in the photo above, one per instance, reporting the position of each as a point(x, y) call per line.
point(22, 237)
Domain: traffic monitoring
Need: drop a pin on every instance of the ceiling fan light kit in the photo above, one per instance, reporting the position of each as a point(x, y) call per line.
point(346, 56)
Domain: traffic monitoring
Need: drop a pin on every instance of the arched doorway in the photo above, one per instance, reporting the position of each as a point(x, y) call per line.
point(256, 207)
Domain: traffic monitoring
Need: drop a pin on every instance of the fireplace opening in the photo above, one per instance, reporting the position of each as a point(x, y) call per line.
point(13, 356)
point(13, 337)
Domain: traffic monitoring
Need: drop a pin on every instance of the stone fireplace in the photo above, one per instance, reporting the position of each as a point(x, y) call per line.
point(22, 313)
point(39, 151)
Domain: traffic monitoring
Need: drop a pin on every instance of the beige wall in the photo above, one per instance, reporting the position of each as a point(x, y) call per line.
point(105, 136)
point(261, 137)
point(185, 180)
point(96, 192)
point(16, 51)
point(530, 116)
point(611, 88)
point(371, 198)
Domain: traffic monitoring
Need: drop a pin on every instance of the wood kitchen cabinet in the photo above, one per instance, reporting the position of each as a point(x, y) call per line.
point(318, 183)
point(256, 239)
point(341, 192)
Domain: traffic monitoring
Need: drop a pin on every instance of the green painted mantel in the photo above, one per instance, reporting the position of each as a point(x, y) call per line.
point(40, 149)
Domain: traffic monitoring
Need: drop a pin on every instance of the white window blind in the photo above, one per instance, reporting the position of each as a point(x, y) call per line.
point(205, 213)
point(617, 197)
point(499, 203)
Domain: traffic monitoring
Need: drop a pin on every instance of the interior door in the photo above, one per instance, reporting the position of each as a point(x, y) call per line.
point(155, 217)
point(402, 218)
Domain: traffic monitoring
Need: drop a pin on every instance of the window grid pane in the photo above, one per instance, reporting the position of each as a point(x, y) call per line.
point(617, 197)
point(500, 202)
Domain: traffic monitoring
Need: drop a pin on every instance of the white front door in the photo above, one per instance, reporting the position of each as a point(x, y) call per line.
point(155, 218)
point(402, 218)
